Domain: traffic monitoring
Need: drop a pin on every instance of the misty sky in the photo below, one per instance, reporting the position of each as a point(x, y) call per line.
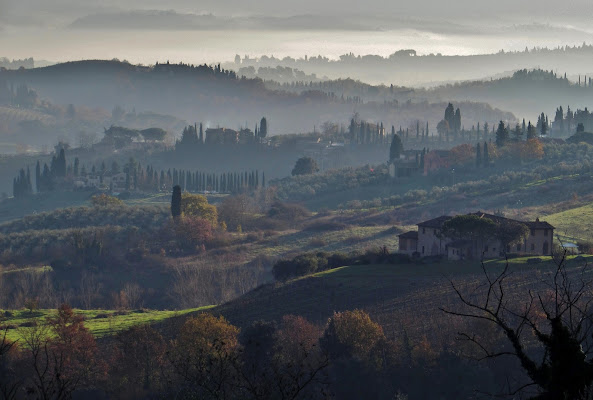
point(215, 30)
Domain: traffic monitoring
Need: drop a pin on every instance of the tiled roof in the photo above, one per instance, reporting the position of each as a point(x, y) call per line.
point(436, 222)
point(439, 221)
point(537, 224)
point(409, 235)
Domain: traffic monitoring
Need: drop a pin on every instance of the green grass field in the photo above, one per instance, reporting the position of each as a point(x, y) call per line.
point(100, 323)
point(574, 224)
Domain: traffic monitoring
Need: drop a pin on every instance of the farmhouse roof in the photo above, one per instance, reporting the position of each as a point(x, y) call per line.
point(439, 221)
point(435, 222)
point(537, 224)
point(409, 235)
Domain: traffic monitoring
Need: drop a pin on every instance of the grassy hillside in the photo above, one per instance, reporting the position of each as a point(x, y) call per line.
point(101, 323)
point(397, 296)
point(576, 223)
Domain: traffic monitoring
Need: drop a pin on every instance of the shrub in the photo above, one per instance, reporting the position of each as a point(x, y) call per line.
point(317, 242)
point(298, 266)
point(104, 200)
point(288, 212)
point(325, 226)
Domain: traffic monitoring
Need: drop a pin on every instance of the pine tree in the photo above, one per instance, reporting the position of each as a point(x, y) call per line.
point(486, 156)
point(502, 135)
point(478, 155)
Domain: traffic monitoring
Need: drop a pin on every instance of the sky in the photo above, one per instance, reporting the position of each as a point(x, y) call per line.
point(216, 30)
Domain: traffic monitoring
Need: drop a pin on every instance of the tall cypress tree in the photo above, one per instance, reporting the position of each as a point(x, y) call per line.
point(396, 148)
point(38, 177)
point(263, 128)
point(486, 157)
point(61, 163)
point(76, 166)
point(176, 201)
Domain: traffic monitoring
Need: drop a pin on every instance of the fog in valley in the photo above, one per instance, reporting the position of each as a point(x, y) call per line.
point(321, 200)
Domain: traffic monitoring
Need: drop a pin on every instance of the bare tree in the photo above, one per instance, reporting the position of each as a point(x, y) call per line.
point(133, 295)
point(9, 381)
point(90, 290)
point(549, 333)
point(2, 289)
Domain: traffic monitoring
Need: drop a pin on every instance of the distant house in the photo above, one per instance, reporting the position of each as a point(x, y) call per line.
point(406, 165)
point(408, 242)
point(403, 169)
point(428, 241)
point(87, 181)
point(435, 160)
point(118, 182)
point(246, 136)
point(221, 136)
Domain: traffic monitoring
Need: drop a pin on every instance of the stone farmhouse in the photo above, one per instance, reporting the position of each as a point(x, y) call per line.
point(427, 241)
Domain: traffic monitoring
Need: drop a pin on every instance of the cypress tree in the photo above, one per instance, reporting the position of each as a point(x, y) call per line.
point(502, 135)
point(176, 201)
point(263, 127)
point(38, 177)
point(396, 148)
point(29, 185)
point(61, 163)
point(486, 157)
